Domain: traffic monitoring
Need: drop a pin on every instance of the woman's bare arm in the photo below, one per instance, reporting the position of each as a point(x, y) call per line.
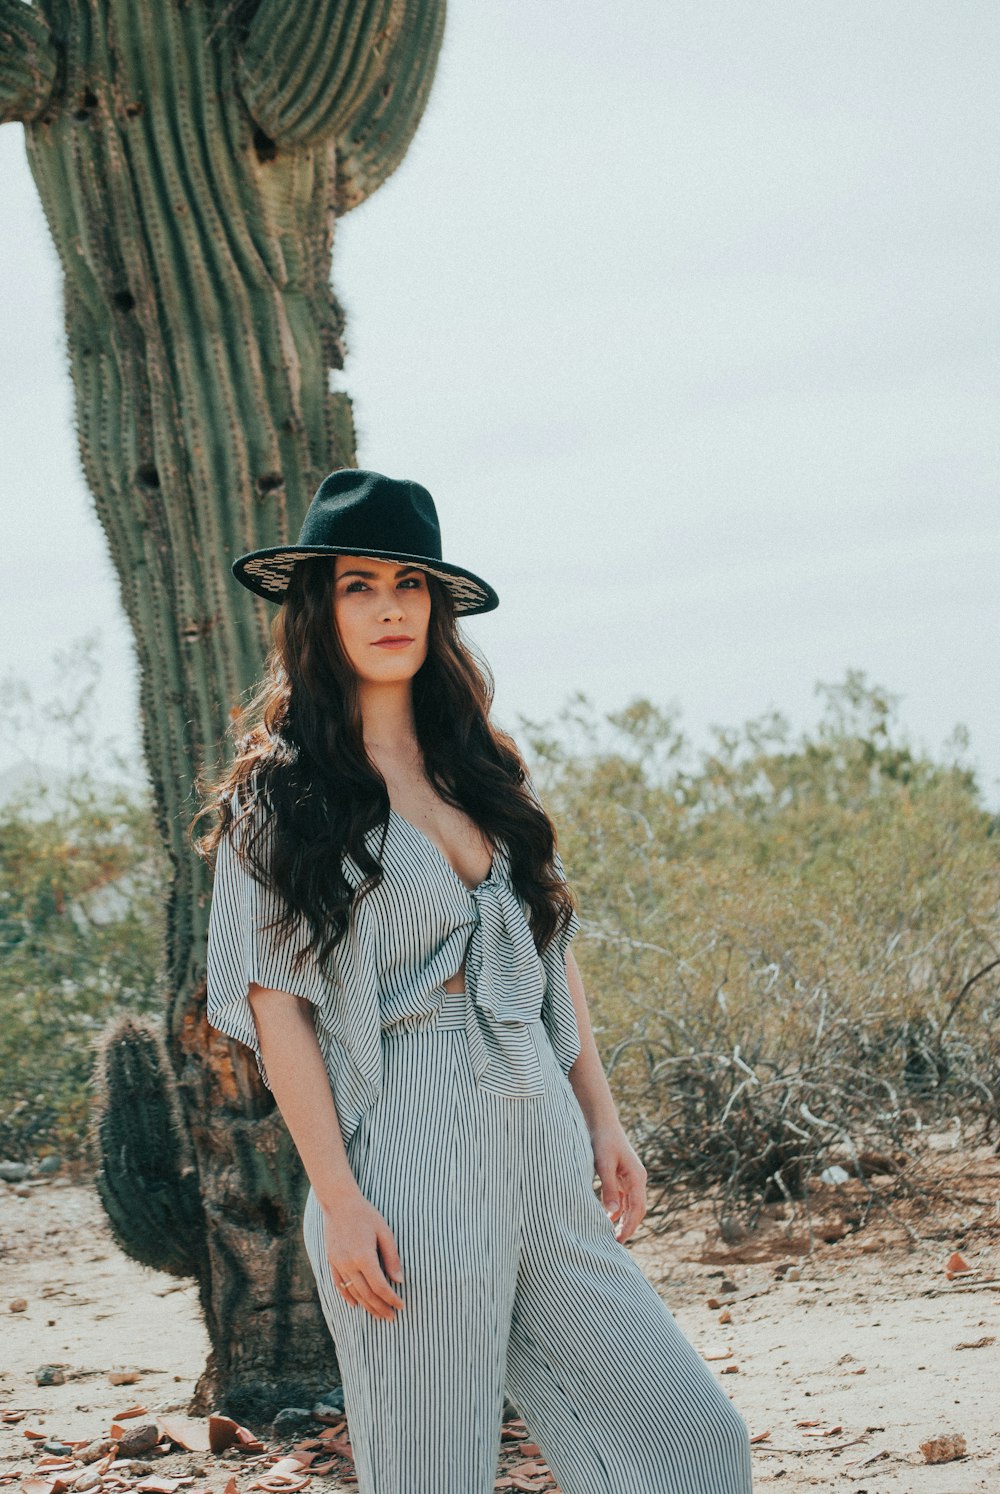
point(301, 1088)
point(359, 1244)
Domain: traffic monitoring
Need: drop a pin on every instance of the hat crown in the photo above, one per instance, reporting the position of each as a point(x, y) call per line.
point(363, 511)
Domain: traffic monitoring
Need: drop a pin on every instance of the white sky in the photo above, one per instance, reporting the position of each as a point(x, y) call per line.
point(686, 314)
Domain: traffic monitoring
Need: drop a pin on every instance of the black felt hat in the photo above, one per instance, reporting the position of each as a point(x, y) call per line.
point(365, 513)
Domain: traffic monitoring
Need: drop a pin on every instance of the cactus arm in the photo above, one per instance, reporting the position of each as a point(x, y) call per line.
point(302, 66)
point(376, 137)
point(357, 72)
point(29, 61)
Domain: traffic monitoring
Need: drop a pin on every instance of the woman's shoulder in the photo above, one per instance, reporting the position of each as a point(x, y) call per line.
point(252, 795)
point(249, 815)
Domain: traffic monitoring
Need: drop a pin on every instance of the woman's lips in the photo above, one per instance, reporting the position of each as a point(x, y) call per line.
point(395, 643)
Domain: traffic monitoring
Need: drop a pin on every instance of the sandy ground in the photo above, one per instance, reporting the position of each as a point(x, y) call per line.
point(843, 1365)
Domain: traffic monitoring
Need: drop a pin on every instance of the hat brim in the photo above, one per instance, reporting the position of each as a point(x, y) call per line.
point(268, 572)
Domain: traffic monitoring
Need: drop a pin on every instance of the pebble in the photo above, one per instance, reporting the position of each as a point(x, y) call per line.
point(95, 1450)
point(944, 1449)
point(138, 1440)
point(88, 1479)
point(330, 1404)
point(292, 1419)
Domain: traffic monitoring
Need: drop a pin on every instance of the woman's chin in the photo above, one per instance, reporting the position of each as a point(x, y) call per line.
point(394, 672)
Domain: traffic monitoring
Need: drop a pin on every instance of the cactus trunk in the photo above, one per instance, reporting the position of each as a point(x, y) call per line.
point(191, 163)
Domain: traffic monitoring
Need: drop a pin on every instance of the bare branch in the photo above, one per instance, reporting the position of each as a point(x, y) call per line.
point(957, 1001)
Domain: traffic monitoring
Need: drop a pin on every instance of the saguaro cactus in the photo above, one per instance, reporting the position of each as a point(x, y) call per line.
point(192, 159)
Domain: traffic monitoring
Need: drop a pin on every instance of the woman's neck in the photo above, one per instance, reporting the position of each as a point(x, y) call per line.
point(388, 725)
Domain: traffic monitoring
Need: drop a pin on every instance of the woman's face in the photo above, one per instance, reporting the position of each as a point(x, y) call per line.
point(375, 600)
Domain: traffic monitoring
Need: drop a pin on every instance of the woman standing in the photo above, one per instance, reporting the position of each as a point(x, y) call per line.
point(389, 933)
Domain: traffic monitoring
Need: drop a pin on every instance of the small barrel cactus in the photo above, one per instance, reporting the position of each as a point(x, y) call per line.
point(147, 1178)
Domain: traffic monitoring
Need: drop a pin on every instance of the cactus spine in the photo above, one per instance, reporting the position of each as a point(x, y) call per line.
point(192, 159)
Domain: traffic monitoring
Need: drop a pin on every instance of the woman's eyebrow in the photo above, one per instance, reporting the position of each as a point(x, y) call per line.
point(370, 575)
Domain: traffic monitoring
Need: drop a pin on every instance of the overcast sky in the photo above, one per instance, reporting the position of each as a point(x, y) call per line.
point(687, 316)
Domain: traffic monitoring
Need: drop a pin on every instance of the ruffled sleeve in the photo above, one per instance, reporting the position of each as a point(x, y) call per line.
point(241, 949)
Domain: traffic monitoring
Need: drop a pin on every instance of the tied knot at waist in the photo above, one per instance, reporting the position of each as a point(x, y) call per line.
point(503, 973)
point(505, 986)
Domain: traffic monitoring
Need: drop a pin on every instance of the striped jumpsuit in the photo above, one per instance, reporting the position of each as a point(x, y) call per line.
point(463, 1130)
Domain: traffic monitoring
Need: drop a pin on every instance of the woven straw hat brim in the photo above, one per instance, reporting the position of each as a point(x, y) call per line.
point(268, 572)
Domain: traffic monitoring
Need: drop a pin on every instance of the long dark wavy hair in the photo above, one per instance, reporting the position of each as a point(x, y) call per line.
point(305, 781)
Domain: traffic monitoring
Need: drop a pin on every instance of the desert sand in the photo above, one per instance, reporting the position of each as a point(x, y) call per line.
point(844, 1358)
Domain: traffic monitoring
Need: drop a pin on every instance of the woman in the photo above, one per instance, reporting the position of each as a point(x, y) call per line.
point(389, 933)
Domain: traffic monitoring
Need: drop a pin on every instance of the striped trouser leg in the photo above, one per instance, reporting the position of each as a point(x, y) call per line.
point(609, 1387)
point(423, 1393)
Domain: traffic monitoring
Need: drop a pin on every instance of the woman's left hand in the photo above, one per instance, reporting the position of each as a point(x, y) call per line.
point(623, 1179)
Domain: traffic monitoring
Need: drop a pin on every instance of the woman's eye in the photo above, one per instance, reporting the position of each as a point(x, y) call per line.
point(413, 581)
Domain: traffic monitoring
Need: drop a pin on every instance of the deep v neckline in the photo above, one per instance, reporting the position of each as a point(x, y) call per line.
point(441, 855)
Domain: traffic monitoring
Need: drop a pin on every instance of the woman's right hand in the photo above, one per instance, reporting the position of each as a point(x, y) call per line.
point(353, 1233)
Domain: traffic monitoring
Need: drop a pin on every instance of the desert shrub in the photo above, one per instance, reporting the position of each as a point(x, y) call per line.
point(80, 936)
point(81, 924)
point(790, 946)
